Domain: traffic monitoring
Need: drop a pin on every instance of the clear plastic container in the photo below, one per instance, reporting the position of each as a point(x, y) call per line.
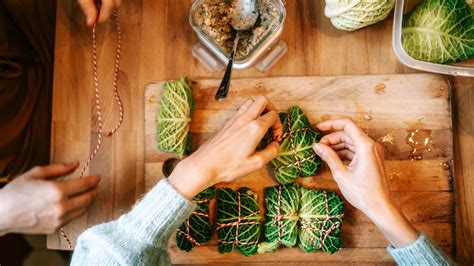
point(464, 68)
point(269, 49)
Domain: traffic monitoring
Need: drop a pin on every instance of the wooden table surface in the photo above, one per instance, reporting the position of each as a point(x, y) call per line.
point(157, 43)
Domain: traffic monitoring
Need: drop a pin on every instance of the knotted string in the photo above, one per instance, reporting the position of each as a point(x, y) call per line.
point(187, 234)
point(97, 99)
point(237, 224)
point(323, 233)
point(289, 134)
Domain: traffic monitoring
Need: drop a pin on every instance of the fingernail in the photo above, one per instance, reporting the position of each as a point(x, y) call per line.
point(90, 20)
point(318, 148)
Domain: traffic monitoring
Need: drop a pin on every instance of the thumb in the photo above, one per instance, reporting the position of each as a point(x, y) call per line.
point(329, 156)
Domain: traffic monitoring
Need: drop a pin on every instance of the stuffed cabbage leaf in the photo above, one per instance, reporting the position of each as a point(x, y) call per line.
point(281, 226)
point(321, 215)
point(174, 116)
point(296, 158)
point(197, 228)
point(238, 221)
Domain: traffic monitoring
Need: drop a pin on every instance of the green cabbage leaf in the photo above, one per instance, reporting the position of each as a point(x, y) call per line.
point(174, 116)
point(238, 221)
point(197, 228)
point(439, 31)
point(282, 216)
point(321, 216)
point(296, 158)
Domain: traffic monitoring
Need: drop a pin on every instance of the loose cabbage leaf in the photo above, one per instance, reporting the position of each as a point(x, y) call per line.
point(321, 216)
point(281, 226)
point(296, 158)
point(238, 221)
point(174, 116)
point(439, 31)
point(197, 228)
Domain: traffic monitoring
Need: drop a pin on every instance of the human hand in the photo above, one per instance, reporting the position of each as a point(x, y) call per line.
point(363, 182)
point(33, 203)
point(230, 154)
point(93, 15)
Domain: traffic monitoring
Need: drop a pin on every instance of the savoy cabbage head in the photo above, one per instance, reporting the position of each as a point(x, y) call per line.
point(439, 31)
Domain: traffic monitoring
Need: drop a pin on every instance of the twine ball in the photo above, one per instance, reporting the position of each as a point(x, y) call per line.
point(351, 15)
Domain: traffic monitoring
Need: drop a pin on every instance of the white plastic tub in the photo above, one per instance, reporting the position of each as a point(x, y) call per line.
point(465, 68)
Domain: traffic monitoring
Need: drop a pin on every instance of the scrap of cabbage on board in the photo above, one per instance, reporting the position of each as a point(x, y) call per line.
point(282, 217)
point(174, 116)
point(321, 216)
point(238, 221)
point(439, 31)
point(296, 157)
point(197, 228)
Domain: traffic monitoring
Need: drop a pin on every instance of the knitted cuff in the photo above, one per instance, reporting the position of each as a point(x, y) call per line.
point(420, 252)
point(158, 214)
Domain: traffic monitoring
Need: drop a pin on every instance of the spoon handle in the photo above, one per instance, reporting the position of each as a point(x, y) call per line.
point(224, 87)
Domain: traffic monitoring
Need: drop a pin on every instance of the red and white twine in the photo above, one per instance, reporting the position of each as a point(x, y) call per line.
point(323, 233)
point(187, 233)
point(98, 112)
point(279, 217)
point(237, 223)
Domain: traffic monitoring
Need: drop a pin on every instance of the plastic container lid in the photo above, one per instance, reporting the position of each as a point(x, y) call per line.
point(214, 64)
point(409, 61)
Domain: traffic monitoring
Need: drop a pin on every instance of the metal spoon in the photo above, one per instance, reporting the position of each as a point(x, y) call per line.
point(244, 16)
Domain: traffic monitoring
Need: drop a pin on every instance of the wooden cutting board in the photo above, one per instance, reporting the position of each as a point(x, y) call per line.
point(390, 108)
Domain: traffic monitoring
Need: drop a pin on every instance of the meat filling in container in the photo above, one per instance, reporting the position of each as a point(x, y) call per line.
point(210, 20)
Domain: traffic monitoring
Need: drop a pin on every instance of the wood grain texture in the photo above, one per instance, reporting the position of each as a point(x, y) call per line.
point(157, 46)
point(425, 182)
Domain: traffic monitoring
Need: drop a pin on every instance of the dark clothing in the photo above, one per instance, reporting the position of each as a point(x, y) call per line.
point(27, 29)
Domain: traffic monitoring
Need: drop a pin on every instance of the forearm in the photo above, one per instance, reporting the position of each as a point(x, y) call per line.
point(408, 246)
point(140, 236)
point(393, 224)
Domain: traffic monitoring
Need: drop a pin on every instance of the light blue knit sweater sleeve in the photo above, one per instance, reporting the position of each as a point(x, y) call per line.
point(139, 237)
point(420, 252)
